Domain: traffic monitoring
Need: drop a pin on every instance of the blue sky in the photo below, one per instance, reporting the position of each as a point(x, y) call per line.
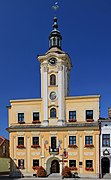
point(25, 26)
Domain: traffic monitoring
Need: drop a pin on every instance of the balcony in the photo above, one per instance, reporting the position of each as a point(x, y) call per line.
point(54, 151)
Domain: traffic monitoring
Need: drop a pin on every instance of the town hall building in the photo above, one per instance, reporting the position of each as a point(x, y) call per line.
point(55, 130)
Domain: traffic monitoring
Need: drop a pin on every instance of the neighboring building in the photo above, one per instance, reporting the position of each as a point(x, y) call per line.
point(105, 145)
point(4, 156)
point(55, 130)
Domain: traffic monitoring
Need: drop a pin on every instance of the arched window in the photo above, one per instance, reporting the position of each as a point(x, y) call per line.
point(54, 41)
point(53, 113)
point(52, 79)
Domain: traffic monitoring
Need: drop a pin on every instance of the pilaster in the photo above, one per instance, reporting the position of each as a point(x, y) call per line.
point(60, 96)
point(45, 121)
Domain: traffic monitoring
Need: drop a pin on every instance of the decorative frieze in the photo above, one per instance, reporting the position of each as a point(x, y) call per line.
point(35, 134)
point(72, 132)
point(88, 154)
point(89, 132)
point(72, 153)
point(20, 153)
point(35, 153)
point(20, 133)
point(53, 133)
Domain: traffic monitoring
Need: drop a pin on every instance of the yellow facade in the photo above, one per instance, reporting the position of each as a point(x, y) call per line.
point(80, 129)
point(56, 130)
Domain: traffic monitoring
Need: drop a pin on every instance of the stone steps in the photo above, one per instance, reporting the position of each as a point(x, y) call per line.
point(55, 175)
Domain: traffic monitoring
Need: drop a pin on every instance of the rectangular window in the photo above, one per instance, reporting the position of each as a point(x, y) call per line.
point(72, 163)
point(88, 140)
point(21, 163)
point(35, 116)
point(20, 141)
point(89, 163)
point(89, 114)
point(35, 140)
point(35, 162)
point(106, 140)
point(72, 140)
point(20, 117)
point(72, 115)
point(53, 142)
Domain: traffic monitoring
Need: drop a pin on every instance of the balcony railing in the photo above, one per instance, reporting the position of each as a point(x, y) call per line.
point(53, 150)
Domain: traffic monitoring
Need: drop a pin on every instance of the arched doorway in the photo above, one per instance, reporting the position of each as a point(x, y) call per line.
point(105, 165)
point(55, 166)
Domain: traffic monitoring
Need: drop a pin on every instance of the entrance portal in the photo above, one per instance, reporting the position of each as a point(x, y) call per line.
point(55, 166)
point(105, 165)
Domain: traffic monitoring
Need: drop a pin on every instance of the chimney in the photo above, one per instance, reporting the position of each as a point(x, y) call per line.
point(109, 112)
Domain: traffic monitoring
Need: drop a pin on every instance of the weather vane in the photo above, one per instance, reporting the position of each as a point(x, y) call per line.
point(55, 6)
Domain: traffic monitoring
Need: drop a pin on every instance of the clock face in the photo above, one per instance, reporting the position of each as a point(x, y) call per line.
point(52, 61)
point(53, 95)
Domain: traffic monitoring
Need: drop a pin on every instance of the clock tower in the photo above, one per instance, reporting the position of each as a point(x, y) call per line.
point(55, 73)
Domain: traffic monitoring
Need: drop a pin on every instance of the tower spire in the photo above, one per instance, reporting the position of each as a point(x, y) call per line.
point(55, 37)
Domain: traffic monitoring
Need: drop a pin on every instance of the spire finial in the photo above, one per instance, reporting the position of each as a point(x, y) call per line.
point(55, 6)
point(55, 37)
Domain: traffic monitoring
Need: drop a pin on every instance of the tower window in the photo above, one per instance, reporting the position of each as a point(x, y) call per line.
point(53, 113)
point(52, 79)
point(54, 41)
